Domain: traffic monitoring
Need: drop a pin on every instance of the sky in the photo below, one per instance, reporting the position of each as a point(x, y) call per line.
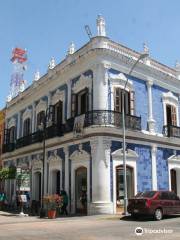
point(47, 27)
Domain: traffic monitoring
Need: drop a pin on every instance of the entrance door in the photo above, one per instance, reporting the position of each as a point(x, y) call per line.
point(55, 186)
point(37, 184)
point(81, 190)
point(120, 186)
point(173, 181)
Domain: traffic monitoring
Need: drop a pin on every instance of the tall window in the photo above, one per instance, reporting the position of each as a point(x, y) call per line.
point(12, 134)
point(171, 115)
point(80, 103)
point(128, 101)
point(40, 118)
point(26, 127)
point(58, 111)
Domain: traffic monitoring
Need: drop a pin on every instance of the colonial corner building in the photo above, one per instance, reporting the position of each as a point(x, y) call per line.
point(79, 104)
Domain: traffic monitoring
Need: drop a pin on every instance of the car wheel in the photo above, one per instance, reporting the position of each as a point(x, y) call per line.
point(134, 215)
point(158, 214)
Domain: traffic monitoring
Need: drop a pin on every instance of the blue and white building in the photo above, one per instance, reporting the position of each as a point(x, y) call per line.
point(81, 102)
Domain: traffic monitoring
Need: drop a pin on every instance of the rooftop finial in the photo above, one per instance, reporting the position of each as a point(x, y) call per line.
point(37, 75)
point(71, 48)
point(52, 63)
point(101, 26)
point(145, 48)
point(177, 65)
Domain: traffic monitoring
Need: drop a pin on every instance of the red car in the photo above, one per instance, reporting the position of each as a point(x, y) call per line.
point(154, 203)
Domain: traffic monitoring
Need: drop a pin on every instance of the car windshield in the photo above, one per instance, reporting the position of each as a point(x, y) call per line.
point(147, 194)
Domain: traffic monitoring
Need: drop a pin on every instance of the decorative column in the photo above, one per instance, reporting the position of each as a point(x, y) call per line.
point(33, 117)
point(151, 121)
point(49, 99)
point(19, 125)
point(100, 86)
point(69, 99)
point(154, 170)
point(101, 194)
point(66, 152)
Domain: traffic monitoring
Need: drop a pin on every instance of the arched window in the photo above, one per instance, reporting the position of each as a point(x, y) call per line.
point(12, 134)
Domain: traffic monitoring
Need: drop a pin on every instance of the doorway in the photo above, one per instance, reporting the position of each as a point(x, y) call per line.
point(173, 181)
point(56, 181)
point(81, 190)
point(120, 186)
point(37, 184)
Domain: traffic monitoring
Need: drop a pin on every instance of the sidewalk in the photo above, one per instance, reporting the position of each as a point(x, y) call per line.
point(6, 217)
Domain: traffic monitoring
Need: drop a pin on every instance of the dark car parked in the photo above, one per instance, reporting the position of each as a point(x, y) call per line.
point(154, 203)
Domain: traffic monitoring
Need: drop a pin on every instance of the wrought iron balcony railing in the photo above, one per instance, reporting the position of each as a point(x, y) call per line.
point(171, 131)
point(107, 117)
point(8, 147)
point(29, 139)
point(96, 117)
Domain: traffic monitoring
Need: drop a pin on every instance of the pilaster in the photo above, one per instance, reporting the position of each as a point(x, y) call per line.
point(154, 170)
point(101, 199)
point(151, 121)
point(100, 86)
point(69, 99)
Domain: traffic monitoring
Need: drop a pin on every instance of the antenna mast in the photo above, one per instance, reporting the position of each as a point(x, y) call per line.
point(17, 85)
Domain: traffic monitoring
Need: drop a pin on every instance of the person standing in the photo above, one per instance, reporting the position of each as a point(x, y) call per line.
point(64, 202)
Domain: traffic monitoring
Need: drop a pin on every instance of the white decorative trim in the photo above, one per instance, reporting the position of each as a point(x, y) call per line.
point(27, 114)
point(55, 162)
point(58, 96)
point(80, 155)
point(154, 170)
point(83, 82)
point(120, 80)
point(94, 146)
point(170, 99)
point(12, 123)
point(37, 164)
point(41, 106)
point(130, 154)
point(174, 163)
point(107, 150)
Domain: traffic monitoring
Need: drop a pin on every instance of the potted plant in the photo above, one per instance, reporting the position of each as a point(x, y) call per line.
point(51, 202)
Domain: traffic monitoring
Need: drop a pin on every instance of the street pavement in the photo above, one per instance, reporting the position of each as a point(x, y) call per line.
point(99, 227)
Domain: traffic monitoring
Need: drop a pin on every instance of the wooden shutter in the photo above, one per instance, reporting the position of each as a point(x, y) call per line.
point(51, 113)
point(87, 99)
point(117, 100)
point(173, 116)
point(73, 105)
point(132, 103)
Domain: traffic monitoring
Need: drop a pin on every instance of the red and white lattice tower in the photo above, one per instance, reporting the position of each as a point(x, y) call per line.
point(19, 58)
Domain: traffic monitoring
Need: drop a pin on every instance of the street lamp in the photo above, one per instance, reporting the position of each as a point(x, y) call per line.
point(42, 128)
point(142, 56)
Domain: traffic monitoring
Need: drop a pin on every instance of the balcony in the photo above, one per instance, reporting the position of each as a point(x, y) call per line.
point(96, 117)
point(108, 118)
point(171, 131)
point(30, 139)
point(8, 147)
point(53, 131)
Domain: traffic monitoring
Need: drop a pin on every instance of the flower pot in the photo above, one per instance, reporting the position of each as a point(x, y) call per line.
point(51, 214)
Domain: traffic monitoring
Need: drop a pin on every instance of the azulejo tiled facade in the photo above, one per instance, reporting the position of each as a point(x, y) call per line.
point(76, 108)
